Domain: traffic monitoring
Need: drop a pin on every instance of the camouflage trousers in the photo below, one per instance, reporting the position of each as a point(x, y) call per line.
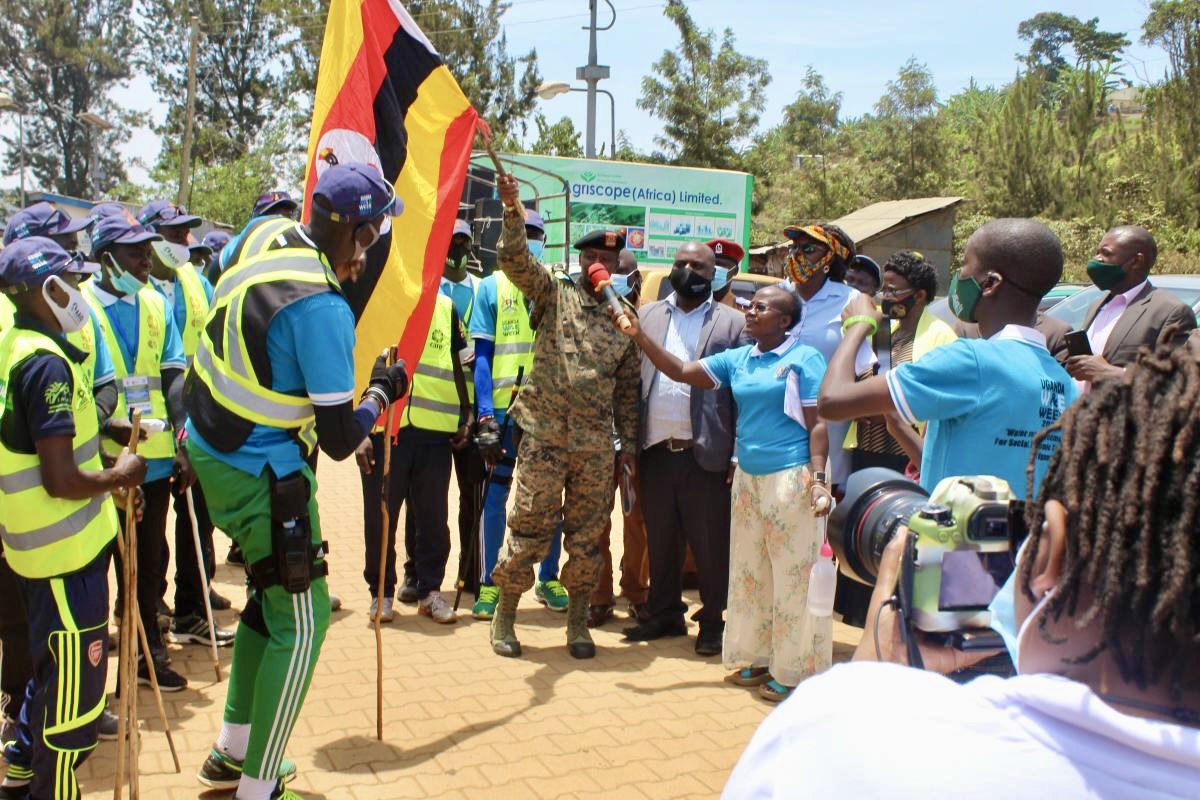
point(543, 474)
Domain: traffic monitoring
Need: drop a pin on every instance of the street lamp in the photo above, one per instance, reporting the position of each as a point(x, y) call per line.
point(7, 103)
point(552, 89)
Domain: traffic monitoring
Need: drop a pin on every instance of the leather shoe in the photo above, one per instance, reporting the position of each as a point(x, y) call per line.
point(597, 616)
point(708, 641)
point(639, 612)
point(582, 649)
point(656, 629)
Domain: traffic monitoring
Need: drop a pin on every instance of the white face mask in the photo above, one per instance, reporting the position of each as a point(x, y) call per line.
point(75, 315)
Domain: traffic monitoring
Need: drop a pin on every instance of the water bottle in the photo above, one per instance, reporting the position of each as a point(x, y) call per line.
point(822, 582)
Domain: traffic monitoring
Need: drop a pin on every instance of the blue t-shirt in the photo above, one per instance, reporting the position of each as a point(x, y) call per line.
point(984, 400)
point(124, 320)
point(768, 440)
point(462, 295)
point(181, 302)
point(102, 367)
point(482, 322)
point(310, 344)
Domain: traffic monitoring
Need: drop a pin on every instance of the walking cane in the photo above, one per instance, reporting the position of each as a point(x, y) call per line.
point(383, 540)
point(208, 612)
point(487, 484)
point(124, 652)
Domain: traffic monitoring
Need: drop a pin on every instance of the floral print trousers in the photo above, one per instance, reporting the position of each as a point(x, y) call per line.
point(774, 542)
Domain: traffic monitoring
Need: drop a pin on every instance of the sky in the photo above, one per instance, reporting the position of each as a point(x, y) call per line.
point(857, 45)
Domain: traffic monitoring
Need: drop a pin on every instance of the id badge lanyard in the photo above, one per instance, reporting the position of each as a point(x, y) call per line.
point(135, 387)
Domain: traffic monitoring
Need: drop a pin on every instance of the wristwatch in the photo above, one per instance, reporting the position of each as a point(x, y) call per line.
point(820, 478)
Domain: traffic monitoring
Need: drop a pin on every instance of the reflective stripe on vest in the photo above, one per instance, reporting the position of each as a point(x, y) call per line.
point(147, 363)
point(433, 401)
point(195, 303)
point(85, 340)
point(226, 366)
point(514, 341)
point(46, 536)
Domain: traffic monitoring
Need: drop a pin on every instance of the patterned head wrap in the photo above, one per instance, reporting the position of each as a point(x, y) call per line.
point(800, 269)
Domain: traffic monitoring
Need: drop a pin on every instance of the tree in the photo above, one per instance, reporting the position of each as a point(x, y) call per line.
point(1018, 166)
point(708, 95)
point(907, 137)
point(58, 59)
point(810, 121)
point(1049, 32)
point(559, 139)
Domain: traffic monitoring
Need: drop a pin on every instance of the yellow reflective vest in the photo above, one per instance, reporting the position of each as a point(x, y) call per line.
point(433, 398)
point(6, 313)
point(514, 341)
point(147, 365)
point(195, 302)
point(47, 536)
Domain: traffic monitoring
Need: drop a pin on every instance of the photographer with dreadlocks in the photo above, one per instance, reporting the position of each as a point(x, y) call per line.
point(1104, 629)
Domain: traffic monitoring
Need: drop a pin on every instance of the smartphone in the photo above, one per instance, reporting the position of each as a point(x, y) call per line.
point(1078, 344)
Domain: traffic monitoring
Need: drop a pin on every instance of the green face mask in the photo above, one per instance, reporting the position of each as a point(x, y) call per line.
point(1105, 275)
point(963, 296)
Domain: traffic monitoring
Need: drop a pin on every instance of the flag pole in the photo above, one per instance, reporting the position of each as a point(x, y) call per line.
point(383, 541)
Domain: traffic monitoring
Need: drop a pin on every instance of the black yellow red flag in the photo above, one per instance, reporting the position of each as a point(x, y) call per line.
point(385, 97)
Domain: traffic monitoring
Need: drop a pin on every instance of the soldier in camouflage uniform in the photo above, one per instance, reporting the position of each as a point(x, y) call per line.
point(585, 378)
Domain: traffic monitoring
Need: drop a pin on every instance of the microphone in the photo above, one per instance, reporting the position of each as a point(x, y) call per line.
point(602, 282)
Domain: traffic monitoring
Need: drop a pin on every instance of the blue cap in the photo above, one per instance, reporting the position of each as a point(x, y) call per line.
point(355, 192)
point(158, 213)
point(26, 263)
point(107, 210)
point(216, 239)
point(534, 220)
point(461, 228)
point(120, 229)
point(41, 219)
point(276, 201)
point(868, 264)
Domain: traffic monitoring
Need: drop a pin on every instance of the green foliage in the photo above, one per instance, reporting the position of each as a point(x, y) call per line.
point(708, 95)
point(906, 138)
point(558, 139)
point(1049, 33)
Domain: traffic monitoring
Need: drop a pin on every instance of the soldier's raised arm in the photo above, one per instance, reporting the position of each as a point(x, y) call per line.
point(514, 258)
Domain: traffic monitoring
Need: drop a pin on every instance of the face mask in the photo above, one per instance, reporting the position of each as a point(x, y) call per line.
point(457, 259)
point(801, 270)
point(171, 256)
point(721, 279)
point(75, 315)
point(620, 284)
point(536, 248)
point(121, 280)
point(898, 309)
point(1105, 275)
point(964, 297)
point(688, 283)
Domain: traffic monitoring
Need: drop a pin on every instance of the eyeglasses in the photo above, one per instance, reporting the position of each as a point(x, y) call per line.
point(758, 307)
point(807, 248)
point(895, 294)
point(166, 214)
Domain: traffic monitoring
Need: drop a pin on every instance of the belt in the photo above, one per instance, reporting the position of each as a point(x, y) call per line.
point(675, 445)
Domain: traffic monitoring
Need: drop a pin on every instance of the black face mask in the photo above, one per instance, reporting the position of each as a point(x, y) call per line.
point(898, 309)
point(458, 255)
point(690, 284)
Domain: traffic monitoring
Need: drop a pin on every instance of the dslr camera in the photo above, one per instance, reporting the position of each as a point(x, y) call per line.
point(958, 554)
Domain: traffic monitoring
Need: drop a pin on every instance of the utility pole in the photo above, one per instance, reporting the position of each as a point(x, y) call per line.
point(185, 152)
point(592, 74)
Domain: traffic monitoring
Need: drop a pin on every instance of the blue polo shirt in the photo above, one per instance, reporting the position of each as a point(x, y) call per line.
point(177, 299)
point(102, 368)
point(768, 438)
point(463, 296)
point(310, 344)
point(984, 400)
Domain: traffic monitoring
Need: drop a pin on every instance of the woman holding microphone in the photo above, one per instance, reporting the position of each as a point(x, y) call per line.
point(770, 637)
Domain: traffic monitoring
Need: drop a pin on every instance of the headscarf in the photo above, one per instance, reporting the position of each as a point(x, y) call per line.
point(801, 270)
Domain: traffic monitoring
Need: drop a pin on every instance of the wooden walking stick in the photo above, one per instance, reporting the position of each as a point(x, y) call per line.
point(383, 540)
point(208, 612)
point(124, 650)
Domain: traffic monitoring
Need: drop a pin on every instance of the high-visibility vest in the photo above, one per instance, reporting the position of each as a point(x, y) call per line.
point(433, 398)
point(514, 341)
point(46, 536)
point(147, 363)
point(6, 313)
point(229, 386)
point(195, 303)
point(85, 340)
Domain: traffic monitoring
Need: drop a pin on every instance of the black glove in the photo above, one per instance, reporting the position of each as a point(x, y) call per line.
point(488, 441)
point(390, 382)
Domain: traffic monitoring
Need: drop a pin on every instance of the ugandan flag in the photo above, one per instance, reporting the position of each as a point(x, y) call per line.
point(384, 97)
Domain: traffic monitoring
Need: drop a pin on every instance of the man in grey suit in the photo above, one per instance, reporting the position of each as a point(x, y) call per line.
point(1132, 313)
point(686, 443)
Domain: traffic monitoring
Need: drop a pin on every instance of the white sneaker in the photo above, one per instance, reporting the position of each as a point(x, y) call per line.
point(435, 607)
point(335, 602)
point(388, 613)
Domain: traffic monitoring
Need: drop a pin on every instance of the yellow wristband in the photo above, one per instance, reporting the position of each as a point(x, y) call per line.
point(861, 318)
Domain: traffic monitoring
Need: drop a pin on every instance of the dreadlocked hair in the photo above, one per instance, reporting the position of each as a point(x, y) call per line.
point(1128, 473)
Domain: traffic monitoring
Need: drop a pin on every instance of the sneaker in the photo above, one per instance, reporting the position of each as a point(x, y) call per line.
point(552, 594)
point(434, 606)
point(106, 731)
point(17, 790)
point(335, 602)
point(235, 556)
point(408, 592)
point(388, 614)
point(168, 679)
point(218, 602)
point(485, 603)
point(193, 629)
point(219, 771)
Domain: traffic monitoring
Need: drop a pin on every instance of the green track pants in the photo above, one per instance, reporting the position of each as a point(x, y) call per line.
point(280, 634)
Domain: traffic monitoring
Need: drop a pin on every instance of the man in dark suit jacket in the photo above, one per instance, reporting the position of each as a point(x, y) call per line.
point(686, 440)
point(1133, 313)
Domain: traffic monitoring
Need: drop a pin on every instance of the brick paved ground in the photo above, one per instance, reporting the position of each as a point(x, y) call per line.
point(650, 720)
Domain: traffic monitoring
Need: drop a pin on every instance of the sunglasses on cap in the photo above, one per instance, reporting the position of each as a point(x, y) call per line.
point(166, 214)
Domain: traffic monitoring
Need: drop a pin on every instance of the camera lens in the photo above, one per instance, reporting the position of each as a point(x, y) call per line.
point(877, 502)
